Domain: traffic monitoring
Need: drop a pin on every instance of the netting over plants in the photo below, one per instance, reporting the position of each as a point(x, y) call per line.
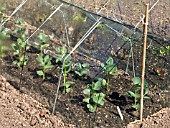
point(96, 34)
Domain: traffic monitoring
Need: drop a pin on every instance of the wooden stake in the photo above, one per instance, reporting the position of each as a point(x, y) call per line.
point(143, 59)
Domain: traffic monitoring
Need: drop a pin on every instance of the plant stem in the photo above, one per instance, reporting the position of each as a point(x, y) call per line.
point(135, 99)
point(64, 77)
point(44, 73)
point(107, 84)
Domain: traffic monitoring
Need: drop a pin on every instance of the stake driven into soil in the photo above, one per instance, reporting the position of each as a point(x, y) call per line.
point(143, 59)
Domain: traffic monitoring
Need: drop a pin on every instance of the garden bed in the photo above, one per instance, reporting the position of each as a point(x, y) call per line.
point(71, 105)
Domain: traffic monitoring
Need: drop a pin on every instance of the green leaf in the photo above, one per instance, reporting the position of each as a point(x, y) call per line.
point(137, 86)
point(91, 108)
point(85, 65)
point(44, 46)
point(113, 70)
point(103, 81)
point(40, 73)
point(137, 95)
point(145, 84)
point(109, 61)
point(101, 103)
point(14, 46)
point(78, 73)
point(136, 80)
point(86, 91)
point(15, 62)
point(68, 90)
point(40, 59)
point(67, 68)
point(146, 90)
point(132, 94)
point(96, 86)
point(137, 106)
point(84, 72)
point(146, 97)
point(48, 66)
point(20, 21)
point(87, 100)
point(102, 65)
point(43, 38)
point(19, 41)
point(98, 98)
point(47, 58)
point(68, 83)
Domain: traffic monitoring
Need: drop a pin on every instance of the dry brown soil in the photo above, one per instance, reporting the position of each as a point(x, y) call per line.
point(18, 110)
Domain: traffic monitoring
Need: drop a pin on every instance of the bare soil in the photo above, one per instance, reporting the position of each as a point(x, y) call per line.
point(160, 119)
point(18, 110)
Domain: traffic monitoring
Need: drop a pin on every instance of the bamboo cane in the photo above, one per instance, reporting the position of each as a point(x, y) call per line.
point(143, 59)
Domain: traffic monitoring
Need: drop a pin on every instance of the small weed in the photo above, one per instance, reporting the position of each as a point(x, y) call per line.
point(95, 97)
point(110, 69)
point(164, 51)
point(136, 93)
point(80, 17)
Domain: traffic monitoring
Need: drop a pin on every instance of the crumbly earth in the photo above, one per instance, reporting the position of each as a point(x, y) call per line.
point(160, 119)
point(18, 110)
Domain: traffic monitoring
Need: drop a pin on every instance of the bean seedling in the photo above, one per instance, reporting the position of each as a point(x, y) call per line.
point(67, 86)
point(110, 69)
point(136, 93)
point(45, 63)
point(19, 49)
point(61, 52)
point(95, 97)
point(82, 69)
point(41, 43)
point(66, 70)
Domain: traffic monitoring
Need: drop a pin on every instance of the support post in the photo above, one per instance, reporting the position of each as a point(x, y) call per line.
point(144, 58)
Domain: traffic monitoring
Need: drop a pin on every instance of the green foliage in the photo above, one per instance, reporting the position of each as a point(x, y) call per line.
point(66, 69)
point(42, 38)
point(101, 26)
point(19, 49)
point(67, 86)
point(95, 97)
point(136, 93)
point(45, 63)
point(82, 69)
point(61, 55)
point(80, 17)
point(3, 46)
point(19, 21)
point(19, 31)
point(110, 69)
point(164, 51)
point(61, 52)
